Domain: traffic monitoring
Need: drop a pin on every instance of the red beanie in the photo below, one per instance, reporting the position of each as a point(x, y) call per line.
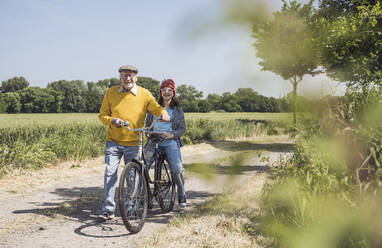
point(168, 83)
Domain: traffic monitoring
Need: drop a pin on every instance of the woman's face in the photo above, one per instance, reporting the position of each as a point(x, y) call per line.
point(167, 93)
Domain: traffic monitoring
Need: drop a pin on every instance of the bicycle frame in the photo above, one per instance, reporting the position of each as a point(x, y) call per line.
point(142, 160)
point(164, 187)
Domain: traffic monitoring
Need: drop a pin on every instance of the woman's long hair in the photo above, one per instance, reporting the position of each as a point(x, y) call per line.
point(173, 103)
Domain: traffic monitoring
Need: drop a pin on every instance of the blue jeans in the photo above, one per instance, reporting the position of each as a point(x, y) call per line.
point(113, 155)
point(174, 158)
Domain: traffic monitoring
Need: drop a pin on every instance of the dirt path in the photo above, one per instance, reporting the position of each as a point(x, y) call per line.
point(58, 206)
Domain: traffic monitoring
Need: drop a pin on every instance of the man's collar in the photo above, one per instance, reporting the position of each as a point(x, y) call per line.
point(133, 90)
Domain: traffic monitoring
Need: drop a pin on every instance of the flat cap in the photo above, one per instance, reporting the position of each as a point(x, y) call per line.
point(128, 68)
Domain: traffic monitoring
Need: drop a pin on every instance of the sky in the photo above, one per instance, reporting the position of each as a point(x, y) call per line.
point(49, 40)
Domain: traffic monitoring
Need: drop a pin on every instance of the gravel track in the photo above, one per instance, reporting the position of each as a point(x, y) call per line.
point(58, 206)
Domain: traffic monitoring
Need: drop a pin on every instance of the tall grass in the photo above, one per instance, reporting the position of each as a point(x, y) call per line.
point(36, 140)
point(278, 117)
point(36, 145)
point(12, 120)
point(215, 130)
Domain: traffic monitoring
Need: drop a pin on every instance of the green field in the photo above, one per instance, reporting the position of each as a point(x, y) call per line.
point(13, 120)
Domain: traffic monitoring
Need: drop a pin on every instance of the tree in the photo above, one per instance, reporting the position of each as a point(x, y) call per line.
point(352, 41)
point(204, 106)
point(249, 100)
point(276, 104)
point(12, 100)
point(3, 104)
point(55, 107)
point(229, 103)
point(189, 97)
point(265, 104)
point(214, 100)
point(14, 84)
point(151, 84)
point(333, 9)
point(93, 97)
point(285, 44)
point(40, 100)
point(107, 83)
point(73, 93)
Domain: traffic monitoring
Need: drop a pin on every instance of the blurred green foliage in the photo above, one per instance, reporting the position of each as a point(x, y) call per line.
point(328, 194)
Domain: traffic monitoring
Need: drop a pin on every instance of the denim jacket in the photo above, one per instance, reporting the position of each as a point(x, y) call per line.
point(178, 123)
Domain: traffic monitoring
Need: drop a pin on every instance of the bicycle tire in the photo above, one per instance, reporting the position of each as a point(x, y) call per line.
point(133, 197)
point(165, 187)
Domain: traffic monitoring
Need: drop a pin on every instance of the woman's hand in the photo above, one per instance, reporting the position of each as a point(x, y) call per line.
point(165, 117)
point(167, 135)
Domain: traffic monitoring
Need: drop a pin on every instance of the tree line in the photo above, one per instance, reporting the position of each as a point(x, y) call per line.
point(16, 96)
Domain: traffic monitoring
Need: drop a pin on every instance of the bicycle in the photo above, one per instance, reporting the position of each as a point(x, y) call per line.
point(135, 193)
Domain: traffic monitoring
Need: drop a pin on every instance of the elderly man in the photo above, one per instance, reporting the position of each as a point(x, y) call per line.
point(127, 102)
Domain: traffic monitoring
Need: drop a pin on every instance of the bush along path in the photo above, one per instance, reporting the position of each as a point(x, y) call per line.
point(58, 206)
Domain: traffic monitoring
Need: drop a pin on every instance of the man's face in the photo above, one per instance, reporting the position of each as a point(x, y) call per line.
point(128, 79)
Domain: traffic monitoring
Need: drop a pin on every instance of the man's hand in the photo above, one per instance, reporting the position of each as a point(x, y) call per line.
point(167, 135)
point(165, 117)
point(116, 122)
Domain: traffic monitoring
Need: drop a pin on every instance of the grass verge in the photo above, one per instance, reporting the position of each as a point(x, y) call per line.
point(225, 220)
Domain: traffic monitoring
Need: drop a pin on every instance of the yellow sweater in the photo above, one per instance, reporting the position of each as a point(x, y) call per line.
point(127, 107)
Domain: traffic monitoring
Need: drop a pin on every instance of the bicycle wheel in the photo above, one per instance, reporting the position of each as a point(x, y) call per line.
point(165, 186)
point(133, 198)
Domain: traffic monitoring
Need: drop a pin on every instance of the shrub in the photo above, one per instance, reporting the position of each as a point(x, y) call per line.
point(35, 146)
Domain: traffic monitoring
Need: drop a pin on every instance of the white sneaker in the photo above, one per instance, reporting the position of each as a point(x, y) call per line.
point(106, 216)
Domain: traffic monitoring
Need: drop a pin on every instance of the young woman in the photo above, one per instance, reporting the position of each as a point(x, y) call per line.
point(171, 133)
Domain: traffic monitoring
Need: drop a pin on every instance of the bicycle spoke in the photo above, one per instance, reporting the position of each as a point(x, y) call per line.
point(166, 188)
point(133, 197)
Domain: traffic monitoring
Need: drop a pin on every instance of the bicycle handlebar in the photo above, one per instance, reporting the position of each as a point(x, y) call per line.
point(145, 129)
